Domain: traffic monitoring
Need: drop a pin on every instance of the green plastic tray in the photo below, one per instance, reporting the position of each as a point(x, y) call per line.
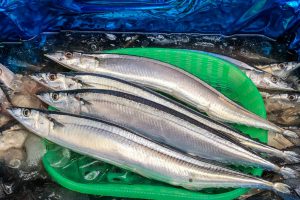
point(85, 175)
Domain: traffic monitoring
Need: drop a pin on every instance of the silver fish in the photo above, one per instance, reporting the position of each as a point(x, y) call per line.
point(158, 123)
point(286, 117)
point(280, 101)
point(283, 108)
point(7, 77)
point(261, 78)
point(125, 149)
point(268, 81)
point(17, 83)
point(282, 70)
point(69, 81)
point(168, 79)
point(239, 64)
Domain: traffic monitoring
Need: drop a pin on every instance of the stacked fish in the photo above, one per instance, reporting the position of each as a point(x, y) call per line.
point(279, 87)
point(110, 111)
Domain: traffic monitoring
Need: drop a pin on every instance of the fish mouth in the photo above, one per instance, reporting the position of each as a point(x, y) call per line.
point(11, 110)
point(51, 57)
point(35, 77)
point(40, 96)
point(57, 60)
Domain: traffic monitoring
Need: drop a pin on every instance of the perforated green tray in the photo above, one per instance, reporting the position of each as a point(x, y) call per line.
point(85, 175)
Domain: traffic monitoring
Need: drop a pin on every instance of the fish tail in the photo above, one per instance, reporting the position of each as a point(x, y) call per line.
point(290, 171)
point(290, 134)
point(285, 191)
point(292, 155)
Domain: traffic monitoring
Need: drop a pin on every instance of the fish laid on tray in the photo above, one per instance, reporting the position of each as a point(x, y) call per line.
point(126, 149)
point(278, 102)
point(169, 79)
point(282, 70)
point(69, 81)
point(17, 83)
point(267, 77)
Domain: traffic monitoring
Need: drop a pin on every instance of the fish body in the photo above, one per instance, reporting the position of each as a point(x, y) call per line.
point(169, 79)
point(263, 79)
point(7, 77)
point(239, 64)
point(158, 123)
point(73, 81)
point(123, 148)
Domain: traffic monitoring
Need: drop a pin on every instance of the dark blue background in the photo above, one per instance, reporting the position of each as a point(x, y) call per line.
point(278, 19)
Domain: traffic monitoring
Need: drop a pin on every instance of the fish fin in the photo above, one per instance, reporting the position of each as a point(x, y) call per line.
point(290, 171)
point(285, 191)
point(55, 122)
point(290, 134)
point(82, 100)
point(292, 155)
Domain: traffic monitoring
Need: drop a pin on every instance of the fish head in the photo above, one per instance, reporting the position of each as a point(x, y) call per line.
point(75, 61)
point(287, 97)
point(54, 81)
point(294, 98)
point(283, 70)
point(61, 100)
point(276, 83)
point(289, 66)
point(34, 120)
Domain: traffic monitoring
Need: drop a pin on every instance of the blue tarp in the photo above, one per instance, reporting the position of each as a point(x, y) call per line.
point(23, 19)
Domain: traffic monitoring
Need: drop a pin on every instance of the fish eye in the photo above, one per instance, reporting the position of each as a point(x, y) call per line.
point(26, 112)
point(68, 55)
point(281, 66)
point(55, 96)
point(52, 77)
point(292, 97)
point(274, 79)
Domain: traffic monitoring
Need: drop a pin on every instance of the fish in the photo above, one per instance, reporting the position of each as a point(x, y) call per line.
point(126, 149)
point(278, 102)
point(17, 83)
point(78, 80)
point(287, 117)
point(241, 65)
point(159, 123)
point(282, 70)
point(268, 81)
point(168, 79)
point(18, 90)
point(263, 79)
point(7, 77)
